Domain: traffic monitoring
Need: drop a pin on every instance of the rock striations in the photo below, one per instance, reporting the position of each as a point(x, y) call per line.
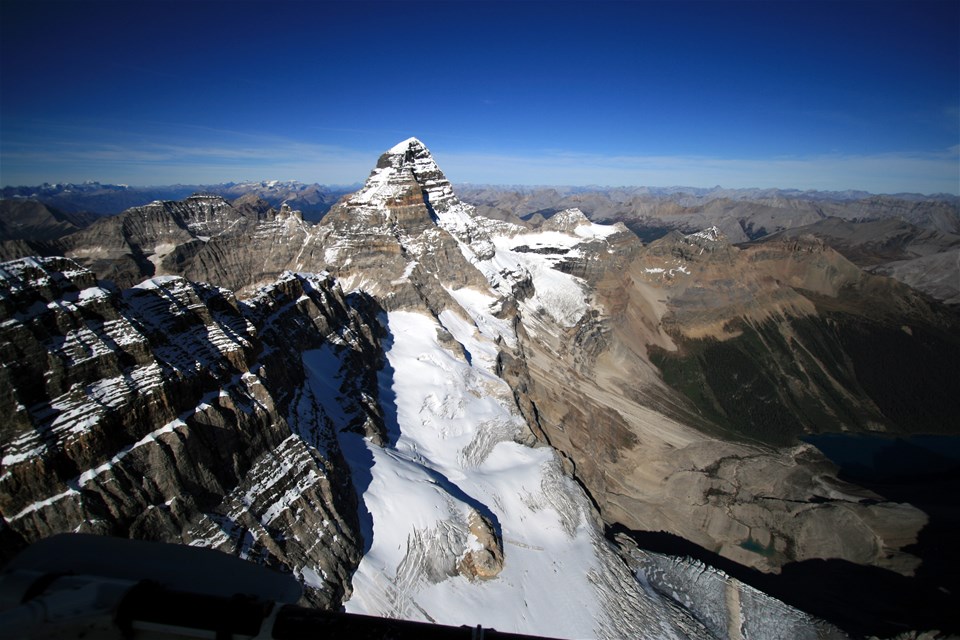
point(172, 411)
point(386, 240)
point(424, 412)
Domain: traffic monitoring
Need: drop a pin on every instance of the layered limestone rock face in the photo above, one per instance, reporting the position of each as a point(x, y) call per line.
point(385, 239)
point(248, 256)
point(172, 411)
point(159, 238)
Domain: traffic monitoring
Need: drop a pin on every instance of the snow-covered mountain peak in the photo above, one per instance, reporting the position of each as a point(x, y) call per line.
point(404, 194)
point(409, 143)
point(398, 230)
point(566, 220)
point(406, 162)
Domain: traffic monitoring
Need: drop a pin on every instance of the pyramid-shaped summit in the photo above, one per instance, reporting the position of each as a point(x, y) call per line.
point(406, 191)
point(397, 225)
point(407, 173)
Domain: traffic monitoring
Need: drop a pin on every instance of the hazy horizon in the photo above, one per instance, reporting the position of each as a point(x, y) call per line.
point(679, 188)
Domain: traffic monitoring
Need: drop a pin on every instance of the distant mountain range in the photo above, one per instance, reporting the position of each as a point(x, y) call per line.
point(710, 193)
point(312, 200)
point(912, 237)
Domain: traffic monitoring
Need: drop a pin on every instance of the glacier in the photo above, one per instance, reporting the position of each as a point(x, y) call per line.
point(452, 451)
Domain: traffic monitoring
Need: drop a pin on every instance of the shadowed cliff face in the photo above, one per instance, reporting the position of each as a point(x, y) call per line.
point(171, 411)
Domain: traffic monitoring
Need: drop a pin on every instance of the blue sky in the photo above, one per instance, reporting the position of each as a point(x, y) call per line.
point(825, 95)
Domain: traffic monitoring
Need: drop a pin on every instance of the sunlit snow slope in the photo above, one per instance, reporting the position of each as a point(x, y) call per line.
point(452, 455)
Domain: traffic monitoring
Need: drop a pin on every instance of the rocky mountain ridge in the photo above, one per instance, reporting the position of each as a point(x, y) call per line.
point(910, 237)
point(312, 200)
point(437, 348)
point(173, 411)
point(933, 221)
point(680, 207)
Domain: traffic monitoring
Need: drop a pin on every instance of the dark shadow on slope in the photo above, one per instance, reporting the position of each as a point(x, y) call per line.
point(642, 229)
point(387, 396)
point(456, 492)
point(388, 402)
point(354, 446)
point(466, 353)
point(430, 209)
point(861, 600)
point(923, 471)
point(360, 460)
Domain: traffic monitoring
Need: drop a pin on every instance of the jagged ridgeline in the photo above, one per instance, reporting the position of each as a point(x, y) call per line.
point(423, 412)
point(172, 411)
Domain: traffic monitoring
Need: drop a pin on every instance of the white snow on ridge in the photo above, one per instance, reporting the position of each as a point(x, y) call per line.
point(157, 282)
point(37, 506)
point(710, 234)
point(506, 254)
point(377, 188)
point(480, 307)
point(93, 293)
point(596, 230)
point(453, 452)
point(560, 295)
point(401, 147)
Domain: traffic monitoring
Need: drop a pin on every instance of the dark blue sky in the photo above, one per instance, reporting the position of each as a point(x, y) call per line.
point(829, 95)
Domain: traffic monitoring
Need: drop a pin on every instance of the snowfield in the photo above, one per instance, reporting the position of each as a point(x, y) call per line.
point(507, 254)
point(451, 453)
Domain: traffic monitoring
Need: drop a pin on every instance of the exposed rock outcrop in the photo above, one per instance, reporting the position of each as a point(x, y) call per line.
point(132, 245)
point(171, 411)
point(385, 239)
point(483, 558)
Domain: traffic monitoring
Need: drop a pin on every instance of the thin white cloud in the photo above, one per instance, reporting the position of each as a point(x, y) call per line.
point(162, 162)
point(878, 173)
point(198, 154)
